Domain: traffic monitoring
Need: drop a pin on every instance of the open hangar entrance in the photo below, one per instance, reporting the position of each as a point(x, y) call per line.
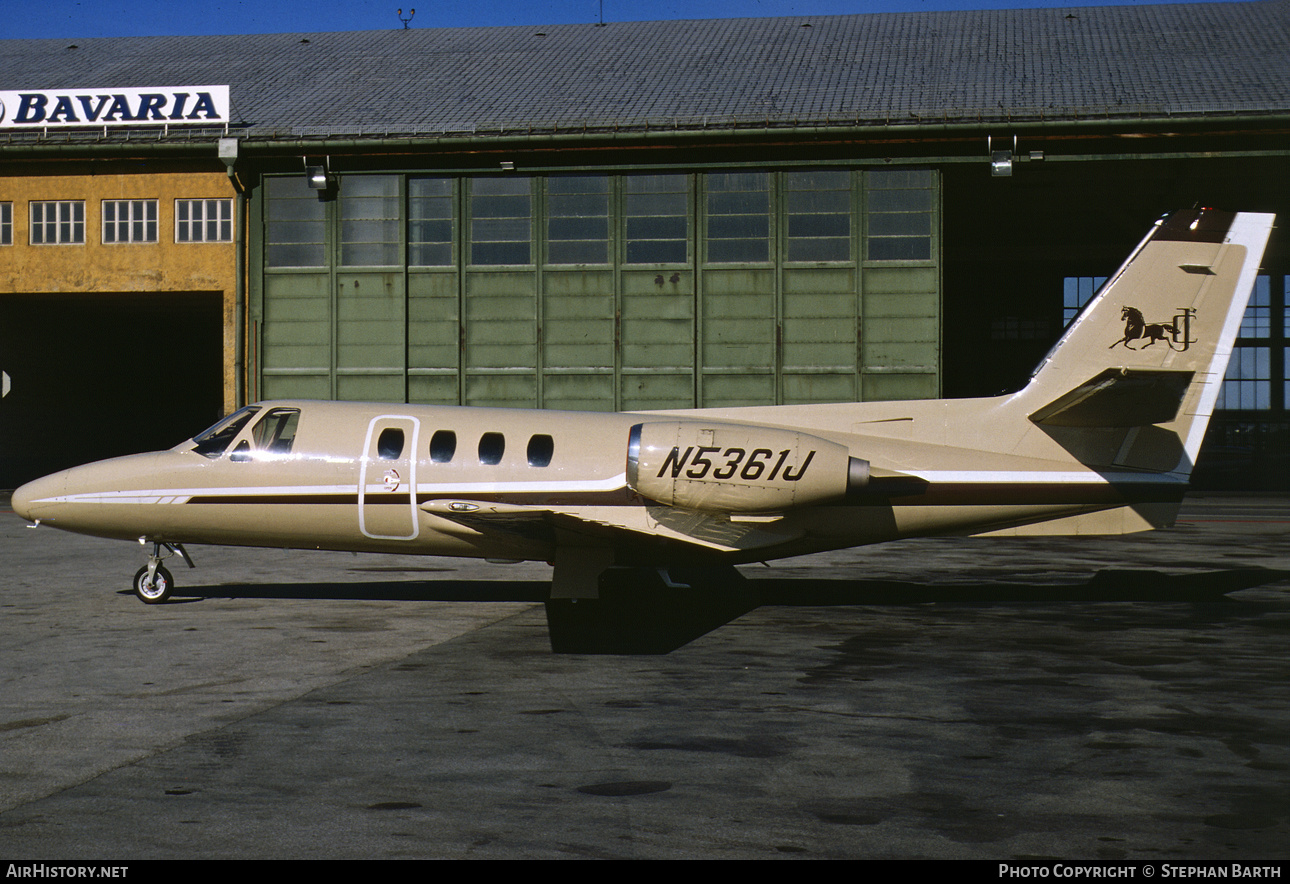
point(1022, 253)
point(100, 375)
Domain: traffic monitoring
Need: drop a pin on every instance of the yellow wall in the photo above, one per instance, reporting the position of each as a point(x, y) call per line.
point(163, 266)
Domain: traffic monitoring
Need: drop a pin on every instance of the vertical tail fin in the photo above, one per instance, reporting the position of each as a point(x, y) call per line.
point(1133, 381)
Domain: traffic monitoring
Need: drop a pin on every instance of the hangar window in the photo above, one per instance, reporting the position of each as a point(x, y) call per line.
point(738, 215)
point(430, 228)
point(818, 210)
point(1257, 319)
point(491, 448)
point(541, 447)
point(657, 216)
point(1076, 292)
point(203, 220)
point(1285, 305)
point(501, 221)
point(129, 221)
point(369, 220)
point(58, 223)
point(577, 219)
point(443, 445)
point(1019, 328)
point(389, 445)
point(1247, 385)
point(1259, 354)
point(6, 224)
point(295, 223)
point(899, 205)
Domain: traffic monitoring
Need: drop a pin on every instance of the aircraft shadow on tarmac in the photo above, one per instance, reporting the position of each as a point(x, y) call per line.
point(638, 614)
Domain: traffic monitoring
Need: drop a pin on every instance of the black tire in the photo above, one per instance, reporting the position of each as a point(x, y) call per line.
point(162, 585)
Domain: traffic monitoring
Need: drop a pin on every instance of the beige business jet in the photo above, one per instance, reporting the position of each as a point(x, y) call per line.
point(1101, 440)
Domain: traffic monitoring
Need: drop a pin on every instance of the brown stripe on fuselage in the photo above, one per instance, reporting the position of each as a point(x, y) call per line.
point(938, 494)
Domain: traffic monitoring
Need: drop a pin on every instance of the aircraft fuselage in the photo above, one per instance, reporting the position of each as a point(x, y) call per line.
point(1101, 440)
point(494, 482)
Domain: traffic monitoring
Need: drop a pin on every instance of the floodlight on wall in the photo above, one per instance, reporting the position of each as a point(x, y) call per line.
point(319, 177)
point(1000, 160)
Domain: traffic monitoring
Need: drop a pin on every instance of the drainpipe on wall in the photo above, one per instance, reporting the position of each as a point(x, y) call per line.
point(228, 153)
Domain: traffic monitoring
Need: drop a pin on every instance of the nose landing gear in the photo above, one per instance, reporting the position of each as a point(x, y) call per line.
point(153, 588)
point(153, 582)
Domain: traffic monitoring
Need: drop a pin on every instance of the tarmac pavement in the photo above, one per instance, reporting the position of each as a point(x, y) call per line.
point(1117, 698)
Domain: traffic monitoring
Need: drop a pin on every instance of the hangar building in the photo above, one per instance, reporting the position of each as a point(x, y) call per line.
point(622, 216)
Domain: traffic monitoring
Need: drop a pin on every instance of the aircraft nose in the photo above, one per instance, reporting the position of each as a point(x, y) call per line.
point(31, 500)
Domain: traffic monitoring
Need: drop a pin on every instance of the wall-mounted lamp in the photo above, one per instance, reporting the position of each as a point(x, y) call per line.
point(1000, 160)
point(508, 166)
point(319, 177)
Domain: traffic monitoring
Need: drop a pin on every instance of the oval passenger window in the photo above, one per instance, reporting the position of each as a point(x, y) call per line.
point(443, 445)
point(541, 447)
point(491, 447)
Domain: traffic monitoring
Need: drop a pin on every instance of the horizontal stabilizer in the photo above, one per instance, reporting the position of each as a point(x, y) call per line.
point(1119, 397)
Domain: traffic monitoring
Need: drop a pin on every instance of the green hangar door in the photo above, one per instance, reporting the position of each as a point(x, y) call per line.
point(601, 292)
point(96, 376)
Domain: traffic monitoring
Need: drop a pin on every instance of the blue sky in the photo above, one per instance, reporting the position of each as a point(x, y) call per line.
point(104, 18)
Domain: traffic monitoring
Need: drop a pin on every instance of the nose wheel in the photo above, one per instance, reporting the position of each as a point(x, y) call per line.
point(154, 588)
point(153, 583)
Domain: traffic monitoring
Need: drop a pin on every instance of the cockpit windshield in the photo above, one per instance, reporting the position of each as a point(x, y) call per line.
point(212, 442)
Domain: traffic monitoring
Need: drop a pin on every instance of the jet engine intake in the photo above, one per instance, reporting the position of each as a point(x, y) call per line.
point(738, 468)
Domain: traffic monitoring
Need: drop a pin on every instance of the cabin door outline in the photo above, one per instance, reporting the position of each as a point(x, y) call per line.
point(387, 485)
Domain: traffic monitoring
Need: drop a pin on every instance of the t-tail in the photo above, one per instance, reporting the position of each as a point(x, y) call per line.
point(1132, 383)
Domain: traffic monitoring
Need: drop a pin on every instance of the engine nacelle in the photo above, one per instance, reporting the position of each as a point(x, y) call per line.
point(738, 468)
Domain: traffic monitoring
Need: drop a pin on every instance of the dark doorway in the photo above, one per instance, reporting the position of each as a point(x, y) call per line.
point(95, 376)
point(1012, 244)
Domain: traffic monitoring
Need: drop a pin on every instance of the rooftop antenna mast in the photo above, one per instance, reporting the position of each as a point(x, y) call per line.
point(411, 13)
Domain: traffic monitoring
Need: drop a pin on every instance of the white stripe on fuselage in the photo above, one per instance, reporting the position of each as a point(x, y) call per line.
point(614, 483)
point(183, 495)
point(1035, 477)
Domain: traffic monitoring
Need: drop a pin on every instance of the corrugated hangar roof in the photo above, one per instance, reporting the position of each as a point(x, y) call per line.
point(1080, 63)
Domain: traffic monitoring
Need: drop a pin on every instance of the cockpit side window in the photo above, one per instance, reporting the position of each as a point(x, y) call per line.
point(276, 431)
point(212, 442)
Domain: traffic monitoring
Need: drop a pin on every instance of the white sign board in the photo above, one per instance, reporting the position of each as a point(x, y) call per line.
point(151, 106)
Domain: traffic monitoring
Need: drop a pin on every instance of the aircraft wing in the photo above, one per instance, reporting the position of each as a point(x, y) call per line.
point(615, 526)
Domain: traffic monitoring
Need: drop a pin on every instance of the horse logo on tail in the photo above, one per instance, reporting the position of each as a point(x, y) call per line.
point(1175, 334)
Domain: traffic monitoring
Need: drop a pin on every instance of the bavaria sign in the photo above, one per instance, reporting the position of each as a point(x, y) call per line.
point(149, 106)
